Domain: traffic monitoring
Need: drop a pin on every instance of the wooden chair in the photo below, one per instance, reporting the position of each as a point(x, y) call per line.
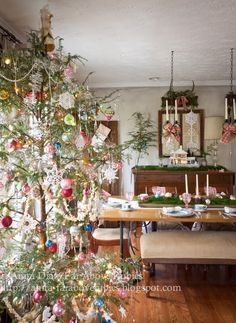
point(108, 237)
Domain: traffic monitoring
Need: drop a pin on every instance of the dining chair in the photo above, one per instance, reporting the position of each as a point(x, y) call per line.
point(109, 237)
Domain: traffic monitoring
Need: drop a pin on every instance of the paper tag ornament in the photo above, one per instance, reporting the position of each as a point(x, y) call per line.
point(100, 135)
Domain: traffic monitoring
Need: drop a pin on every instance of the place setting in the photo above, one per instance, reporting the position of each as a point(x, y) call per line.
point(229, 211)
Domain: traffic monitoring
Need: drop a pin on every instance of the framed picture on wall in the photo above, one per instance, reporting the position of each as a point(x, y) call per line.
point(190, 136)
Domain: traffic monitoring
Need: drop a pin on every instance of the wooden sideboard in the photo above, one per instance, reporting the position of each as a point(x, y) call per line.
point(145, 179)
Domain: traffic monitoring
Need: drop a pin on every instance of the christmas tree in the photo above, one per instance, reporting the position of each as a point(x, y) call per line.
point(53, 162)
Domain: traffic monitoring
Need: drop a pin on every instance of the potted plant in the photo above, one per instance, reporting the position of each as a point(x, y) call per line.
point(143, 136)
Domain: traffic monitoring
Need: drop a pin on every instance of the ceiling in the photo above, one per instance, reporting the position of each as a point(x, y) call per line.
point(128, 41)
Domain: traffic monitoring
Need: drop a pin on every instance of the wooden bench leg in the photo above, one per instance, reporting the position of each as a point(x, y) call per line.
point(146, 276)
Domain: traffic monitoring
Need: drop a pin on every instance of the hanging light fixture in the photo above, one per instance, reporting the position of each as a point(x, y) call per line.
point(229, 127)
point(170, 129)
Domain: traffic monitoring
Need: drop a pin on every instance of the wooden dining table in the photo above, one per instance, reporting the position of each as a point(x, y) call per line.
point(212, 215)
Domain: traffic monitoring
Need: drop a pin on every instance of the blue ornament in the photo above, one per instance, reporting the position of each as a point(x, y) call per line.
point(88, 227)
point(57, 145)
point(48, 243)
point(98, 302)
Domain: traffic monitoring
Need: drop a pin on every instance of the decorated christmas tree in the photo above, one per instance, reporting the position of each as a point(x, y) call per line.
point(53, 162)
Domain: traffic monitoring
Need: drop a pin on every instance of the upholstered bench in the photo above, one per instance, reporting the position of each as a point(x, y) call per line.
point(183, 247)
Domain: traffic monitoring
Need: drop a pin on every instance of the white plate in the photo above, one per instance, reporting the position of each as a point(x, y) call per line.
point(230, 214)
point(114, 204)
point(180, 213)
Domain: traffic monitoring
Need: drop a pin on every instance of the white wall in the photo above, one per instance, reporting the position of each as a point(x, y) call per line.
point(148, 100)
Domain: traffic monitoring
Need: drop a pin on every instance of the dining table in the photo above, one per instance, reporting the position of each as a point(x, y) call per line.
point(141, 214)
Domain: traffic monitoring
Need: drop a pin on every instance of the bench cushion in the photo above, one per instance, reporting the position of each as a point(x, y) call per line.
point(107, 234)
point(188, 245)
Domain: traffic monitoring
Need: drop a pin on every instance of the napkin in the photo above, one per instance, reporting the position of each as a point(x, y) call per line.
point(228, 209)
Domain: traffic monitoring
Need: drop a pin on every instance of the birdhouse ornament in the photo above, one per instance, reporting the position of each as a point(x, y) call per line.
point(47, 38)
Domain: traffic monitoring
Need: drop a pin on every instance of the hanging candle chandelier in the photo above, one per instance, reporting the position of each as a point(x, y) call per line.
point(172, 129)
point(229, 127)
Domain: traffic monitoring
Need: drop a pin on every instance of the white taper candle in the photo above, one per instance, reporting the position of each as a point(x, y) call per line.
point(197, 186)
point(207, 185)
point(176, 111)
point(226, 109)
point(167, 111)
point(234, 109)
point(186, 183)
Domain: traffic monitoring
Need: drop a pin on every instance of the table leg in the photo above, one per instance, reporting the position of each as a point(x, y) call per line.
point(121, 239)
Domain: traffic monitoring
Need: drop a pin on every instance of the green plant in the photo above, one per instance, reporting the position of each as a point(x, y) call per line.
point(144, 135)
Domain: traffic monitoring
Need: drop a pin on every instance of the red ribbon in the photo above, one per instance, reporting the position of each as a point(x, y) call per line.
point(229, 130)
point(172, 129)
point(182, 101)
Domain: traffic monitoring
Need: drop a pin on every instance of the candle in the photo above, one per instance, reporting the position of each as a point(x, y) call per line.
point(234, 109)
point(197, 186)
point(176, 111)
point(207, 185)
point(186, 183)
point(167, 111)
point(226, 109)
point(146, 190)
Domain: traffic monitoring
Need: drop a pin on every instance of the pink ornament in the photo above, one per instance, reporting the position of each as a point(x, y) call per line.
point(10, 175)
point(50, 149)
point(119, 165)
point(72, 321)
point(50, 194)
point(26, 188)
point(66, 183)
point(108, 118)
point(90, 254)
point(58, 308)
point(122, 293)
point(68, 72)
point(1, 185)
point(81, 257)
point(37, 296)
point(66, 192)
point(87, 140)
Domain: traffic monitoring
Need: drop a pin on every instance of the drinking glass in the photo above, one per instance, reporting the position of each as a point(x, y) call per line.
point(155, 190)
point(129, 196)
point(186, 197)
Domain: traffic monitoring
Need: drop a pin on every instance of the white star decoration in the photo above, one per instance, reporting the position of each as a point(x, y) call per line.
point(54, 176)
point(110, 173)
point(67, 100)
point(29, 224)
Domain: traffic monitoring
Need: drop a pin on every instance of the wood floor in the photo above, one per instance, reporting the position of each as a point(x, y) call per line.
point(199, 294)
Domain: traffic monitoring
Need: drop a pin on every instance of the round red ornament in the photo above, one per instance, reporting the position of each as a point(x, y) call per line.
point(53, 248)
point(66, 192)
point(37, 296)
point(6, 221)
